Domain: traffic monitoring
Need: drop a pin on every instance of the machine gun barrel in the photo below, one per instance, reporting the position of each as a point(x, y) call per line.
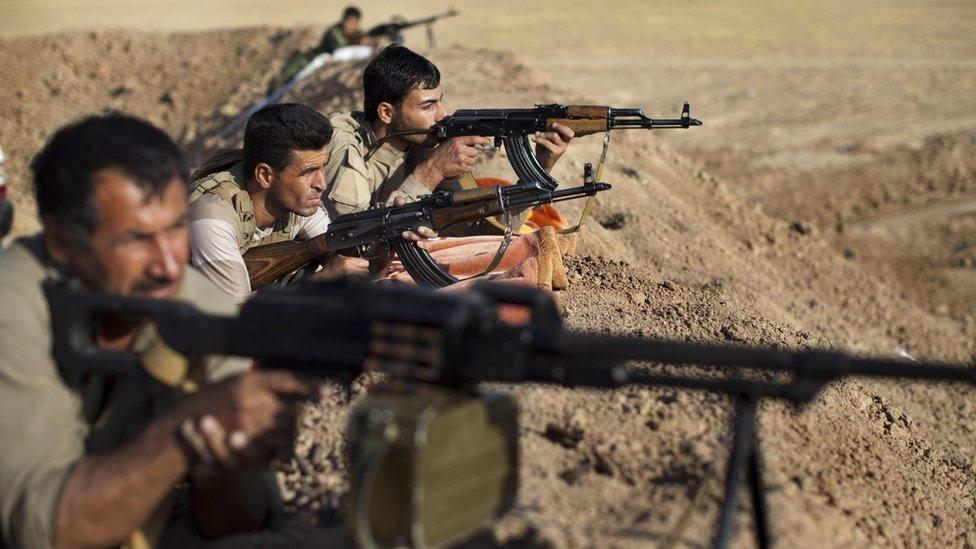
point(394, 27)
point(375, 326)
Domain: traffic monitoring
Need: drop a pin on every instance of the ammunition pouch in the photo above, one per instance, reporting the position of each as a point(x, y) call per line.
point(430, 466)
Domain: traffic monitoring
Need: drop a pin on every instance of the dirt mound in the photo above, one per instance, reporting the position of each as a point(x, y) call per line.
point(907, 212)
point(671, 252)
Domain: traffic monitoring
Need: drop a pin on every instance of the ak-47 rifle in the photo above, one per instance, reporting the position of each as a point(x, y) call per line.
point(378, 232)
point(430, 459)
point(392, 29)
point(512, 128)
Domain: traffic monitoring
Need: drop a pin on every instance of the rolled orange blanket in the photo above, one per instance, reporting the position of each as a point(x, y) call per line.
point(534, 259)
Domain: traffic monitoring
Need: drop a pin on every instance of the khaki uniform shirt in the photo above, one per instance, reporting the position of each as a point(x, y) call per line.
point(222, 229)
point(355, 184)
point(47, 426)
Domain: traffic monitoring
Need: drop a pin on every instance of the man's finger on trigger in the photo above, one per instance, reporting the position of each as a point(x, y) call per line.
point(216, 438)
point(196, 442)
point(237, 440)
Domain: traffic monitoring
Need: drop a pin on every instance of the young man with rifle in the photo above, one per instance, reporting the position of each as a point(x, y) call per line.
point(270, 191)
point(91, 459)
point(402, 92)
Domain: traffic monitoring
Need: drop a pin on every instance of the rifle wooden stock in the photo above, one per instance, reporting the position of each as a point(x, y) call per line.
point(273, 261)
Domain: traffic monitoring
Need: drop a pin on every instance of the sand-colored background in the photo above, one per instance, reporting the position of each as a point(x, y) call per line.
point(828, 200)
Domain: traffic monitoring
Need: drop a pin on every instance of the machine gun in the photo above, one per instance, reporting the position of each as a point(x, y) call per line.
point(512, 128)
point(392, 29)
point(378, 232)
point(431, 460)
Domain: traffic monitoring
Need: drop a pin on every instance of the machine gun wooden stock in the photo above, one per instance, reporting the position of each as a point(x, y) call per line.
point(512, 128)
point(430, 342)
point(378, 232)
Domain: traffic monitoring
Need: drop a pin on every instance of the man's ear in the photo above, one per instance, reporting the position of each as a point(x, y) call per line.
point(386, 112)
point(263, 175)
point(59, 242)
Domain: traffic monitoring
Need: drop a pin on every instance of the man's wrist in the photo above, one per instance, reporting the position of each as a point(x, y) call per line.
point(427, 174)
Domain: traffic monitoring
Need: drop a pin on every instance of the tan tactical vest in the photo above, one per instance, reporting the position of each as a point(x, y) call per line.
point(223, 175)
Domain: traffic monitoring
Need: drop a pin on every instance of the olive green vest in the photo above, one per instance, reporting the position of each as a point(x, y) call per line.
point(223, 176)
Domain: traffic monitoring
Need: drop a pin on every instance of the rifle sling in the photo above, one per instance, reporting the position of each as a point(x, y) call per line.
point(591, 201)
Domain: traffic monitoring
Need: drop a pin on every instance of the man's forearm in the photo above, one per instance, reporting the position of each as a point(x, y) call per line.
point(230, 502)
point(109, 496)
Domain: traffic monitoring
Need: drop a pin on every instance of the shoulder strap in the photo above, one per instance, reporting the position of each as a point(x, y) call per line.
point(228, 186)
point(221, 161)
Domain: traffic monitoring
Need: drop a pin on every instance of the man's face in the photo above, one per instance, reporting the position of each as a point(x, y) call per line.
point(350, 25)
point(419, 110)
point(139, 245)
point(298, 188)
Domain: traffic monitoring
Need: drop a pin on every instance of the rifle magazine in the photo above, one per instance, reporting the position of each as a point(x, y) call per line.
point(421, 265)
point(526, 165)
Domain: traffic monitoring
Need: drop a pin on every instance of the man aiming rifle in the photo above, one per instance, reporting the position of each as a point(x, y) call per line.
point(402, 92)
point(89, 459)
point(270, 191)
point(347, 32)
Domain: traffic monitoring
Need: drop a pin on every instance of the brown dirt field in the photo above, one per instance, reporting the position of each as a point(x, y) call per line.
point(828, 201)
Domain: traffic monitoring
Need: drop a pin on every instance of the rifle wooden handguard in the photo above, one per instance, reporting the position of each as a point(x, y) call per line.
point(583, 126)
point(442, 219)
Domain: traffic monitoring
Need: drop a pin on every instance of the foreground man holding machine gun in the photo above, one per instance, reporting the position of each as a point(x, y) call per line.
point(432, 459)
point(92, 460)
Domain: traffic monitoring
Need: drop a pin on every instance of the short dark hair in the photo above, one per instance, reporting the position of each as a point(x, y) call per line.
point(391, 75)
point(276, 131)
point(351, 11)
point(63, 171)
